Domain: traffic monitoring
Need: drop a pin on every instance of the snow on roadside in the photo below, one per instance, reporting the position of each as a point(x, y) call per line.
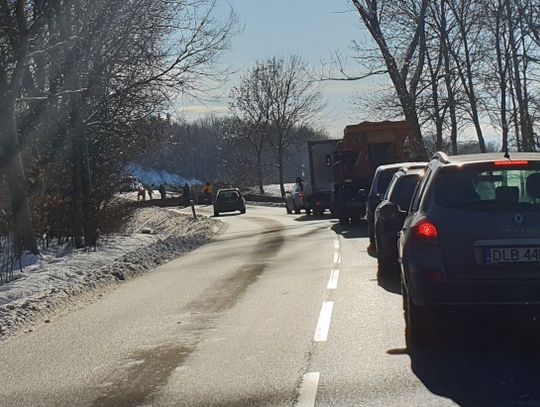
point(273, 189)
point(58, 277)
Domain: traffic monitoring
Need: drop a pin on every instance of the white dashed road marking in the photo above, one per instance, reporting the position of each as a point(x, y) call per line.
point(308, 390)
point(333, 281)
point(323, 324)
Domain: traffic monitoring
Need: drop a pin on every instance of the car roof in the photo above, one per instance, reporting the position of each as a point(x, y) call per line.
point(409, 171)
point(228, 189)
point(483, 157)
point(397, 166)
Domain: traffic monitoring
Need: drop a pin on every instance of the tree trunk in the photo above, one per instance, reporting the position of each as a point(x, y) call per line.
point(417, 144)
point(260, 180)
point(281, 170)
point(448, 80)
point(16, 178)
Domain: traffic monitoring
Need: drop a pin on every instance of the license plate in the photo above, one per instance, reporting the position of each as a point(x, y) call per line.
point(512, 255)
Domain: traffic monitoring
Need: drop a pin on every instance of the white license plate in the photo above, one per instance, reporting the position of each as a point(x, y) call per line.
point(512, 255)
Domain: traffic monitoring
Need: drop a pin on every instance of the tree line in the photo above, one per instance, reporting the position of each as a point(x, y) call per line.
point(210, 149)
point(83, 84)
point(455, 64)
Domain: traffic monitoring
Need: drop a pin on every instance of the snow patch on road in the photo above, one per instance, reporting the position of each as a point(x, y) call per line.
point(58, 276)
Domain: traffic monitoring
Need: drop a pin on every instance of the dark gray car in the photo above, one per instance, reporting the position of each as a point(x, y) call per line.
point(472, 237)
point(381, 180)
point(389, 218)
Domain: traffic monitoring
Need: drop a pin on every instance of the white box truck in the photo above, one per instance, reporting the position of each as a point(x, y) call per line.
point(314, 193)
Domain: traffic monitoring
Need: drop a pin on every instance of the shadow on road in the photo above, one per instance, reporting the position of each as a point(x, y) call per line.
point(495, 362)
point(307, 218)
point(351, 231)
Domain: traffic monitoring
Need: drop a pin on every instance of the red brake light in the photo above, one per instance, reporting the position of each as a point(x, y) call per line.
point(509, 163)
point(425, 229)
point(301, 194)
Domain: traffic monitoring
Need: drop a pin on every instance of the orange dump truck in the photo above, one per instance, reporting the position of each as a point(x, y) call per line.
point(364, 147)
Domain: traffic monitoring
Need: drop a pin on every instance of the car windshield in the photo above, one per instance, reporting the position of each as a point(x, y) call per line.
point(489, 189)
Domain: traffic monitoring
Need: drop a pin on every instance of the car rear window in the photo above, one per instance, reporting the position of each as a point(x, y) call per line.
point(403, 190)
point(384, 180)
point(489, 187)
point(228, 195)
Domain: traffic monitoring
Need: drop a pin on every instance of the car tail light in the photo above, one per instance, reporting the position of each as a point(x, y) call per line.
point(426, 230)
point(510, 163)
point(301, 195)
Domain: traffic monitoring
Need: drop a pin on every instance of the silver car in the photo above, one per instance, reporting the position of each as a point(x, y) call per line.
point(471, 238)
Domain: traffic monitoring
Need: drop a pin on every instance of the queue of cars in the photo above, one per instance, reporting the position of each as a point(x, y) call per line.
point(461, 234)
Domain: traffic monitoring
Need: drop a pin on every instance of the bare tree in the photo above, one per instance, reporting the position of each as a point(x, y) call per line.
point(280, 95)
point(250, 105)
point(405, 68)
point(80, 81)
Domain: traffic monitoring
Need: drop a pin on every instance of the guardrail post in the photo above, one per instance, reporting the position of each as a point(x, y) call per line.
point(193, 209)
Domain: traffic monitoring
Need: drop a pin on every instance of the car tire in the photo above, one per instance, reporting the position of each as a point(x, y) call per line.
point(385, 268)
point(418, 323)
point(216, 213)
point(289, 211)
point(243, 210)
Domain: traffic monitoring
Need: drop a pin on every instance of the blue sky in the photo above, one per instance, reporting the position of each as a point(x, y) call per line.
point(313, 29)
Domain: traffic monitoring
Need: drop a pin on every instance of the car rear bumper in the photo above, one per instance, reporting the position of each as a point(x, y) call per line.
point(491, 292)
point(229, 208)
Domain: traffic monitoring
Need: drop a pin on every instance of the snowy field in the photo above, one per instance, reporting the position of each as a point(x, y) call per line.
point(57, 277)
point(273, 189)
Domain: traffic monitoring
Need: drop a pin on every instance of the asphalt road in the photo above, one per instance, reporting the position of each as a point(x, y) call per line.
point(278, 310)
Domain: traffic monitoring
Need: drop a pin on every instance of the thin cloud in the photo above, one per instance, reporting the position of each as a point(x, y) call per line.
point(204, 109)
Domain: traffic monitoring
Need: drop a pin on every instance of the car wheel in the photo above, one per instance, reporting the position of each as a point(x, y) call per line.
point(296, 210)
point(385, 268)
point(216, 213)
point(308, 211)
point(289, 211)
point(418, 323)
point(243, 210)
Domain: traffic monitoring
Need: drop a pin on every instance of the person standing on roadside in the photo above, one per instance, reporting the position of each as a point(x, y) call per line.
point(162, 191)
point(186, 194)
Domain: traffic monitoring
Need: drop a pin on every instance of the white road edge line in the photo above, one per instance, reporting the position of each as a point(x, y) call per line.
point(323, 324)
point(308, 390)
point(333, 281)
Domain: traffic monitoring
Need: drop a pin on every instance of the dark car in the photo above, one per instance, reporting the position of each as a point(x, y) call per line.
point(389, 218)
point(471, 238)
point(229, 200)
point(381, 180)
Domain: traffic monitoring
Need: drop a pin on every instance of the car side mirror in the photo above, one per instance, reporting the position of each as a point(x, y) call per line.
point(389, 211)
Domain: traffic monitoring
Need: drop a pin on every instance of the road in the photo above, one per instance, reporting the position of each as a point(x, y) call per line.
point(277, 310)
